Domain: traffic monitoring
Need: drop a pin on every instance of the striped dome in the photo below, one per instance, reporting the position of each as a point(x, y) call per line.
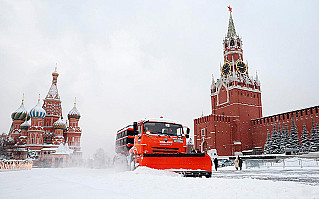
point(37, 111)
point(25, 125)
point(59, 124)
point(74, 113)
point(20, 114)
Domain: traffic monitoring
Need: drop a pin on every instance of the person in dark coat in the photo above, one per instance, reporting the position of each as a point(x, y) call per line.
point(216, 163)
point(240, 163)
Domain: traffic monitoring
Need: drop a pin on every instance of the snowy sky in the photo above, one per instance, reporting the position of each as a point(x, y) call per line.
point(130, 60)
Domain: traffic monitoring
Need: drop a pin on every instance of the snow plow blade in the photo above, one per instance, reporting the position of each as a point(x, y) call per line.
point(188, 164)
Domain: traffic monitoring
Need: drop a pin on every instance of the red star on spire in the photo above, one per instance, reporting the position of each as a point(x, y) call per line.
point(230, 9)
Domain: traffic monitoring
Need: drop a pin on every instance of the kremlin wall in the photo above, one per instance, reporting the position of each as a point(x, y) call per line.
point(236, 123)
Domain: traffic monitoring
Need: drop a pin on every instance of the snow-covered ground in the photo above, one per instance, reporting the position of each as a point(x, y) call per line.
point(148, 183)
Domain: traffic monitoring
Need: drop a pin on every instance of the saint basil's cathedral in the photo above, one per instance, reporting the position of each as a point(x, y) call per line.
point(236, 123)
point(53, 140)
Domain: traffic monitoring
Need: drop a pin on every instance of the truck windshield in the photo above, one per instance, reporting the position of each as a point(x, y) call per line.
point(163, 128)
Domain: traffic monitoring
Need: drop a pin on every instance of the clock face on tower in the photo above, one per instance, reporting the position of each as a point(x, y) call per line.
point(226, 69)
point(241, 67)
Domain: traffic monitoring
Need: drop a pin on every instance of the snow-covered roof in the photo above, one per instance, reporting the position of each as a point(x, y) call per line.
point(53, 92)
point(49, 149)
point(20, 113)
point(74, 113)
point(163, 120)
point(37, 111)
point(25, 125)
point(59, 124)
point(63, 149)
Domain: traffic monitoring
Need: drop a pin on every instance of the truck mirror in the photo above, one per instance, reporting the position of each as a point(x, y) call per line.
point(135, 128)
point(187, 132)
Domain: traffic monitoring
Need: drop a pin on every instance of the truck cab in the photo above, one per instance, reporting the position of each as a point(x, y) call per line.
point(158, 137)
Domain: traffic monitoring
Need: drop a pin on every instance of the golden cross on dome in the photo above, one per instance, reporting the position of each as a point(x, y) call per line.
point(22, 98)
point(39, 98)
point(56, 67)
point(75, 101)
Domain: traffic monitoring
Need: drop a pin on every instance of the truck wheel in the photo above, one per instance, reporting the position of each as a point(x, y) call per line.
point(132, 163)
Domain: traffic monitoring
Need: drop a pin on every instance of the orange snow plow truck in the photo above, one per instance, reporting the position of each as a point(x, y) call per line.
point(160, 144)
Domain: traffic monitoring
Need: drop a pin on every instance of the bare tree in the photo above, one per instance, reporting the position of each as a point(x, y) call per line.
point(6, 142)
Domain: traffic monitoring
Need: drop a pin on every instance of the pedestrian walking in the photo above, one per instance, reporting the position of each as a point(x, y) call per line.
point(216, 163)
point(236, 163)
point(240, 163)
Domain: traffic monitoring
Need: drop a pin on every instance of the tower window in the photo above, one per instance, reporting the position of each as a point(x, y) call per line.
point(288, 116)
point(300, 113)
point(238, 43)
point(232, 43)
point(203, 132)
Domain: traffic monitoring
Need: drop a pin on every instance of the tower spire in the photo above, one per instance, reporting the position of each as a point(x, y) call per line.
point(53, 91)
point(56, 67)
point(231, 27)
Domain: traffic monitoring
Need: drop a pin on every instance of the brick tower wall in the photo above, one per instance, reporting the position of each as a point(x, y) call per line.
point(218, 133)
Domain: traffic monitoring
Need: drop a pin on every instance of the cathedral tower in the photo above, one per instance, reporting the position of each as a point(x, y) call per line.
point(36, 131)
point(73, 134)
point(52, 106)
point(59, 127)
point(18, 117)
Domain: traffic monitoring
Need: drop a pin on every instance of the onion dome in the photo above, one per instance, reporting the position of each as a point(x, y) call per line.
point(74, 113)
point(25, 125)
point(20, 114)
point(38, 111)
point(59, 124)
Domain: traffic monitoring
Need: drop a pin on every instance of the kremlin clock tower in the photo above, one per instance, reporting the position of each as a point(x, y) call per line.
point(236, 124)
point(235, 99)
